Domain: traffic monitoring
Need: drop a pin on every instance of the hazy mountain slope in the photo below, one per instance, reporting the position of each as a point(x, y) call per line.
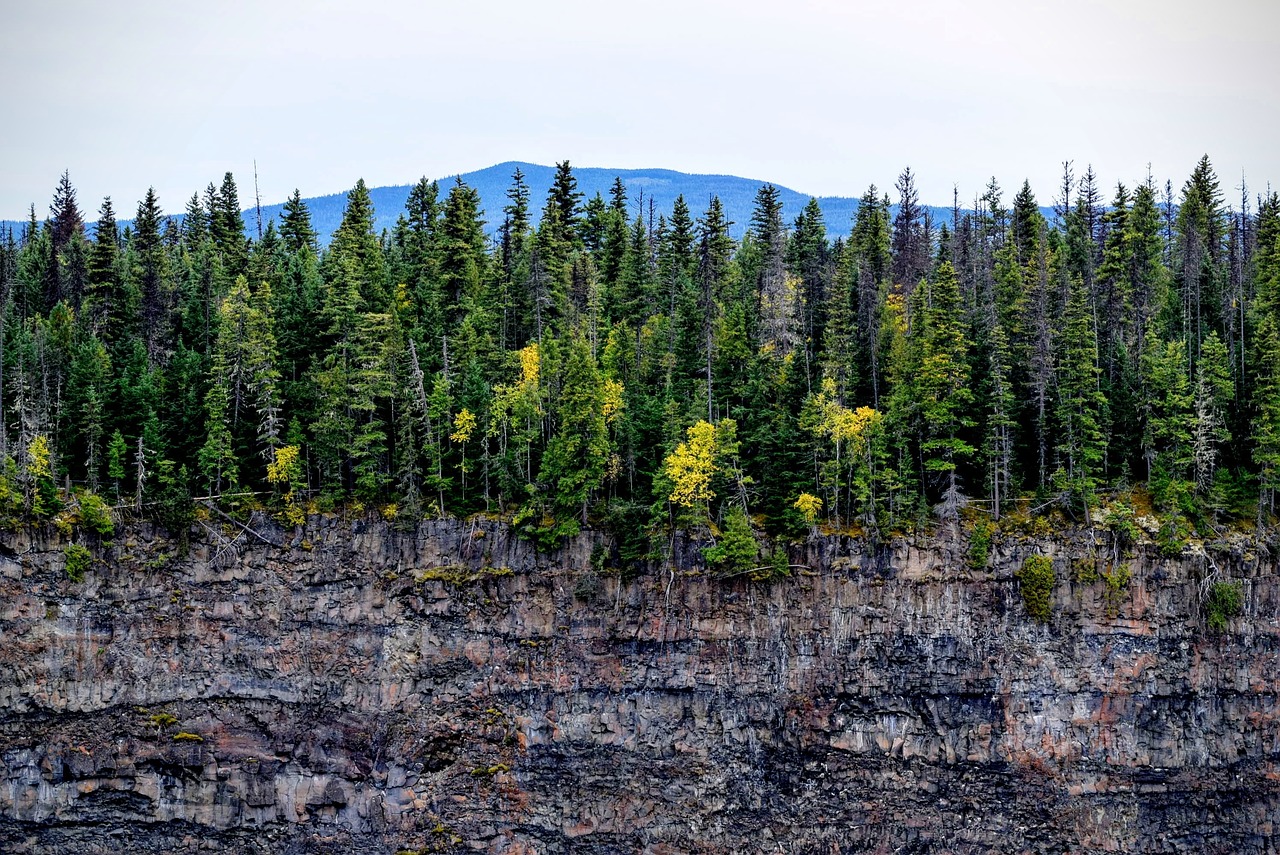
point(661, 185)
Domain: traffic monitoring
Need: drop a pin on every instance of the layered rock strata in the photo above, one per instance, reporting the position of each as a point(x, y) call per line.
point(349, 688)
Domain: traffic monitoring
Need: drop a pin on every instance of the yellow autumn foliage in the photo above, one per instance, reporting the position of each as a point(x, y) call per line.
point(464, 424)
point(809, 507)
point(691, 466)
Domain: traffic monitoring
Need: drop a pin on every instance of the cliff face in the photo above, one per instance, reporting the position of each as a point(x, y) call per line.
point(361, 690)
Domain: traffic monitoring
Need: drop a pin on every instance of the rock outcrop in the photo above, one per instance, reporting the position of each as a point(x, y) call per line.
point(356, 689)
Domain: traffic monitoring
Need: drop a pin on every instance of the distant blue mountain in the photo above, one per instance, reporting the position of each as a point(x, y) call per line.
point(661, 185)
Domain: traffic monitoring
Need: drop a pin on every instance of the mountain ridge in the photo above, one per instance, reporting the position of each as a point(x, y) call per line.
point(662, 185)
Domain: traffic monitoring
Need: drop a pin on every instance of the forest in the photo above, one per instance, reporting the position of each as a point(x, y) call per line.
point(643, 372)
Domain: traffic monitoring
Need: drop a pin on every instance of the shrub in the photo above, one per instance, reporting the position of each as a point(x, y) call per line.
point(737, 550)
point(1223, 603)
point(1117, 588)
point(1036, 579)
point(980, 544)
point(78, 560)
point(95, 514)
point(1119, 520)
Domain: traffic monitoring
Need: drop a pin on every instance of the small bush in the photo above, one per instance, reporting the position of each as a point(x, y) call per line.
point(1117, 588)
point(185, 736)
point(737, 550)
point(1036, 579)
point(1174, 535)
point(95, 514)
point(1119, 520)
point(1085, 570)
point(980, 544)
point(78, 561)
point(162, 720)
point(1224, 602)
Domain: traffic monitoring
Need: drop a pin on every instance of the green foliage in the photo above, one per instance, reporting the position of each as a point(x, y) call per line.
point(1117, 580)
point(1225, 601)
point(174, 508)
point(1036, 580)
point(162, 720)
point(11, 503)
point(737, 551)
point(1119, 520)
point(95, 514)
point(1174, 534)
point(943, 380)
point(643, 371)
point(78, 560)
point(980, 544)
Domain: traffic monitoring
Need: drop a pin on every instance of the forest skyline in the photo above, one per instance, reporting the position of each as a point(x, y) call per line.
point(650, 372)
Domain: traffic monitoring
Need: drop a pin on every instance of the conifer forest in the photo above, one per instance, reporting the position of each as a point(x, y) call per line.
point(570, 363)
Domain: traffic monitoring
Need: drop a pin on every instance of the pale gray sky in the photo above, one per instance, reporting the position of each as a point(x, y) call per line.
point(824, 96)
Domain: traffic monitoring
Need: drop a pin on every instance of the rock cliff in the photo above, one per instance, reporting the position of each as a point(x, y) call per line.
point(348, 688)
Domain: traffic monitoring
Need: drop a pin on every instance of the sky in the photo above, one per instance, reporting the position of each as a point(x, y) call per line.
point(823, 96)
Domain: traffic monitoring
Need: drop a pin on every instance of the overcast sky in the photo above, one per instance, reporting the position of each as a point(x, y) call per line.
point(823, 96)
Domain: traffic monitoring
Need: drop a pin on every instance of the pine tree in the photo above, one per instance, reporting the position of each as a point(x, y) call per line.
point(944, 384)
point(615, 234)
point(1200, 233)
point(910, 242)
point(1214, 394)
point(565, 198)
point(354, 252)
point(777, 293)
point(295, 225)
point(1169, 422)
point(64, 213)
point(516, 302)
point(1266, 422)
point(1081, 406)
point(1001, 422)
point(869, 268)
point(417, 236)
point(809, 260)
point(715, 249)
point(461, 251)
point(105, 293)
point(574, 464)
point(226, 226)
point(195, 224)
point(243, 402)
point(151, 272)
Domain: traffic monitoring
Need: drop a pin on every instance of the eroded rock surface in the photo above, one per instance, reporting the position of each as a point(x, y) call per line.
point(360, 690)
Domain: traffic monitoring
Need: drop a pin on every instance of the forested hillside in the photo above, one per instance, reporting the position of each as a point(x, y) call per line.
point(643, 374)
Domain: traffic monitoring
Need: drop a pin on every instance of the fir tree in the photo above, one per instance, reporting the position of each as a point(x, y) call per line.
point(944, 384)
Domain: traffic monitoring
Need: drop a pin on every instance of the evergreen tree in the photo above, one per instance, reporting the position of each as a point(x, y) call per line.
point(1081, 406)
point(944, 384)
point(574, 464)
point(777, 293)
point(354, 252)
point(195, 224)
point(65, 219)
point(226, 227)
point(910, 242)
point(150, 271)
point(295, 225)
point(1200, 233)
point(715, 250)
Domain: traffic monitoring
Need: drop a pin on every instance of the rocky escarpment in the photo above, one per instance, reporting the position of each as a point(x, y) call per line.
point(348, 688)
